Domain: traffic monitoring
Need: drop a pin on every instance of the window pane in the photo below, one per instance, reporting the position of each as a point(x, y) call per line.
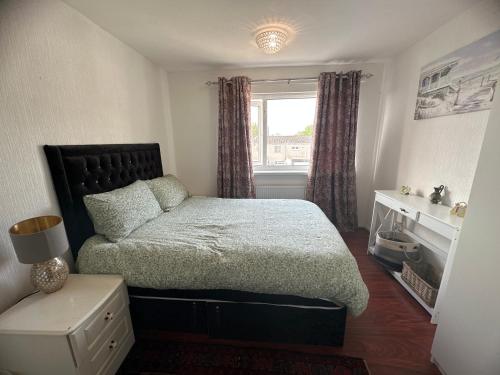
point(289, 129)
point(256, 131)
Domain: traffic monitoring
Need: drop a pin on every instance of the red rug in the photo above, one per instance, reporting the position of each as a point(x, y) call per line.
point(158, 357)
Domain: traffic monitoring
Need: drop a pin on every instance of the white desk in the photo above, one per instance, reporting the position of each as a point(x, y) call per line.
point(418, 214)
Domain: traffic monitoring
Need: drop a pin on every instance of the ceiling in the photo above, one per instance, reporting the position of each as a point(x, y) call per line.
point(205, 34)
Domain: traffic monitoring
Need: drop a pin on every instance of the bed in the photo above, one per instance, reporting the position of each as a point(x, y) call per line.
point(237, 269)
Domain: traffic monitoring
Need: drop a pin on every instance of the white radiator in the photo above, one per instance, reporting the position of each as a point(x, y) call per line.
point(280, 191)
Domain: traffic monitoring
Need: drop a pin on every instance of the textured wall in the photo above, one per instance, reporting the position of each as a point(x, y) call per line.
point(194, 114)
point(63, 80)
point(442, 150)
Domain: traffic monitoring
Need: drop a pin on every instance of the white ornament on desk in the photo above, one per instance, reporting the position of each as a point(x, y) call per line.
point(405, 190)
point(459, 209)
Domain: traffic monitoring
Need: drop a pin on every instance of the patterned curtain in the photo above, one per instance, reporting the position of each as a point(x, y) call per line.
point(234, 170)
point(332, 176)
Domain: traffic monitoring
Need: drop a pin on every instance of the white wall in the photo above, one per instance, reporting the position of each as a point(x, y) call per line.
point(194, 114)
point(63, 80)
point(467, 339)
point(441, 150)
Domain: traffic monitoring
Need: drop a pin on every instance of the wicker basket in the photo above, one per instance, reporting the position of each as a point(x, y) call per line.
point(423, 279)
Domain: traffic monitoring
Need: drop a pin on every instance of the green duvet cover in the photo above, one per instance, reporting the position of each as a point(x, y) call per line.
point(265, 246)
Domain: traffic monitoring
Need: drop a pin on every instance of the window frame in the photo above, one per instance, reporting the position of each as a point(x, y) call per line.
point(262, 99)
point(261, 130)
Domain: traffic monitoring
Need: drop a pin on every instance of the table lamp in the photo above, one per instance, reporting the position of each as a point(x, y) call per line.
point(41, 241)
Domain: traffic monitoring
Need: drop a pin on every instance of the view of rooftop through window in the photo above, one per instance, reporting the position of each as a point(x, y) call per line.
point(282, 139)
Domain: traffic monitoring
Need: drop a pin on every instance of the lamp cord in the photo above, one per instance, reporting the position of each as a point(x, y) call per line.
point(28, 295)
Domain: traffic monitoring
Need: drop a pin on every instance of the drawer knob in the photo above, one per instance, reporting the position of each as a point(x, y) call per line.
point(113, 344)
point(108, 316)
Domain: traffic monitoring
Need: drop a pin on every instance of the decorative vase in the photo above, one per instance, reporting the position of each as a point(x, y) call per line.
point(436, 196)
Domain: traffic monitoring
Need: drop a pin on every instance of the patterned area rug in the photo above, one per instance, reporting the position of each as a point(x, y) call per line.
point(158, 357)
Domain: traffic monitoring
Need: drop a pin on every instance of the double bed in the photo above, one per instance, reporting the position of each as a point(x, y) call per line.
point(233, 268)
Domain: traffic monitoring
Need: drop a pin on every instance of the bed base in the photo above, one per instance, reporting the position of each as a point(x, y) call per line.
point(235, 315)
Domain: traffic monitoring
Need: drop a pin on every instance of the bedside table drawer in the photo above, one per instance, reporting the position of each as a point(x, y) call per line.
point(105, 317)
point(112, 344)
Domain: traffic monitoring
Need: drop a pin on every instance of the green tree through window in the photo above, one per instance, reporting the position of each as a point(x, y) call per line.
point(308, 130)
point(255, 129)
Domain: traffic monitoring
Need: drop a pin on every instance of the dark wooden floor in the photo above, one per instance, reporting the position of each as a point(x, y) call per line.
point(393, 335)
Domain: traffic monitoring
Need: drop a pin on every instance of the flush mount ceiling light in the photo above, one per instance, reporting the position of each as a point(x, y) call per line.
point(271, 39)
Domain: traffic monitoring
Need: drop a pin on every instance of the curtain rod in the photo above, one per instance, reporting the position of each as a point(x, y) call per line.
point(364, 77)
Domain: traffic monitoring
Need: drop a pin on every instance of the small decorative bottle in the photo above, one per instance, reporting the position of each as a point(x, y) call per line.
point(436, 195)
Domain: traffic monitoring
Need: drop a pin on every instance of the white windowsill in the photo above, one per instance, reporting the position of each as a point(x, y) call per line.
point(280, 172)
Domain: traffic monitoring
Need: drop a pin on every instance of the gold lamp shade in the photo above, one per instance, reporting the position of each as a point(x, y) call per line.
point(40, 241)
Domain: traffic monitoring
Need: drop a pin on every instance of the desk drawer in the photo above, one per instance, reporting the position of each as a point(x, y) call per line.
point(399, 207)
point(407, 211)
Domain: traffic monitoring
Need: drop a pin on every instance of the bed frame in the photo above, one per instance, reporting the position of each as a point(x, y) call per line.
point(88, 169)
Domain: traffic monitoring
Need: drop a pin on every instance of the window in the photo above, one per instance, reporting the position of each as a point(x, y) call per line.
point(282, 126)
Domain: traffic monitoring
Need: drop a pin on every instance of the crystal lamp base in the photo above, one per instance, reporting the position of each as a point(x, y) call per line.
point(50, 276)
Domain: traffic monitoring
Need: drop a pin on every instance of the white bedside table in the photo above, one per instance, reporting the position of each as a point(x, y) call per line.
point(84, 328)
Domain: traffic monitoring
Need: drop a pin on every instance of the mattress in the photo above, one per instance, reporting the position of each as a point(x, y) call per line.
point(270, 246)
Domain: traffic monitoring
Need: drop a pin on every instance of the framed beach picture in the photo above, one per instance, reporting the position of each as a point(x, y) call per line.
point(462, 81)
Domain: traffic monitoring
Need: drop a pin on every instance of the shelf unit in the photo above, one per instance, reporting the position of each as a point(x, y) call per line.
point(412, 212)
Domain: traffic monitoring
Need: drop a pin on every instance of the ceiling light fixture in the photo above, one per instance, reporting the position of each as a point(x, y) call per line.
point(271, 40)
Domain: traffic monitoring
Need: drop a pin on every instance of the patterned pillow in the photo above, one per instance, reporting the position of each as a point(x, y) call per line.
point(117, 213)
point(168, 190)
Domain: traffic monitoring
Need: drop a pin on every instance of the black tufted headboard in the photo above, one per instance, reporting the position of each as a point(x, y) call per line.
point(88, 169)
